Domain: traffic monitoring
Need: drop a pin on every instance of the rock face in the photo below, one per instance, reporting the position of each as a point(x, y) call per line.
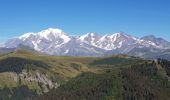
point(57, 42)
point(42, 80)
point(158, 41)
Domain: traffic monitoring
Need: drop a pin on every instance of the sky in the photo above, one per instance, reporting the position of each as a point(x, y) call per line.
point(77, 17)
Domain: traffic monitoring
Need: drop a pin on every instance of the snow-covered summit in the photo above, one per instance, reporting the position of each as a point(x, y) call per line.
point(51, 33)
point(26, 35)
point(57, 42)
point(41, 40)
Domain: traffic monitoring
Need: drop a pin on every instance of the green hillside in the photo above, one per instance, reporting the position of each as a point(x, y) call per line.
point(29, 75)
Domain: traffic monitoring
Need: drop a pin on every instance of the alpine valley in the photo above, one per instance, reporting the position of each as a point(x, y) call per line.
point(57, 42)
point(50, 65)
point(30, 75)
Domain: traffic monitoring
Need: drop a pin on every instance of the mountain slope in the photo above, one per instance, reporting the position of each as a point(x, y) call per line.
point(144, 81)
point(34, 74)
point(30, 75)
point(158, 41)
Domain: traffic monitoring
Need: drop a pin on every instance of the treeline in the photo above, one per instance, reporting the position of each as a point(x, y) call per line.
point(88, 86)
point(143, 82)
point(165, 64)
point(16, 64)
point(138, 82)
point(115, 61)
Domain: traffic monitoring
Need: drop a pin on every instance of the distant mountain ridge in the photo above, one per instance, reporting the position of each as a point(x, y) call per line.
point(57, 42)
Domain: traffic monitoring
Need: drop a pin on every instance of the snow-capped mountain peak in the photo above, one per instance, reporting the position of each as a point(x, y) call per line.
point(26, 35)
point(159, 42)
point(113, 36)
point(57, 42)
point(51, 32)
point(115, 41)
point(90, 38)
point(118, 34)
point(88, 35)
point(49, 38)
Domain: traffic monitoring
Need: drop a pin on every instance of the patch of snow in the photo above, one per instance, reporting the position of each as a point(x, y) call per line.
point(36, 46)
point(66, 51)
point(120, 44)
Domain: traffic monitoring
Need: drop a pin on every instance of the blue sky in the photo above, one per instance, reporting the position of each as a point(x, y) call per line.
point(76, 17)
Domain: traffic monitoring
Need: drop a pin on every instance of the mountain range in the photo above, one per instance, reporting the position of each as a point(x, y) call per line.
point(27, 72)
point(56, 42)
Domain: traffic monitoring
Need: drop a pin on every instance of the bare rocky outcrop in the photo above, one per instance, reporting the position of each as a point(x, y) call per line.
point(43, 81)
